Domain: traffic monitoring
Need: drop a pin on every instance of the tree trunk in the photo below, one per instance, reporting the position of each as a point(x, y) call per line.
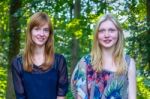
point(14, 45)
point(148, 30)
point(75, 42)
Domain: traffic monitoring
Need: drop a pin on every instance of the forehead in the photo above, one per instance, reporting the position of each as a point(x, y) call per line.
point(107, 24)
point(41, 24)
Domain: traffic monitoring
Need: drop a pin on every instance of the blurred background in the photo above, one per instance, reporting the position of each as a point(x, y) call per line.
point(74, 22)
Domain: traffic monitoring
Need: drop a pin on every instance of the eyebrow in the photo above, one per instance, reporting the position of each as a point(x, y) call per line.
point(108, 29)
point(46, 28)
point(102, 29)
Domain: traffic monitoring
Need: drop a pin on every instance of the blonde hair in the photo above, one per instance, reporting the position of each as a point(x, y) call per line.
point(38, 19)
point(96, 52)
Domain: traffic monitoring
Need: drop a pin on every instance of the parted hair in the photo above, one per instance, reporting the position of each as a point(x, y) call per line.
point(118, 56)
point(38, 19)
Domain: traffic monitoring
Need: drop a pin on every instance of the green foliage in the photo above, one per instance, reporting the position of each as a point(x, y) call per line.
point(3, 79)
point(131, 13)
point(69, 94)
point(143, 88)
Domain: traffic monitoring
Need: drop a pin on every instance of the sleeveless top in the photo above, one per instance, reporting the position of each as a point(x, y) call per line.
point(106, 84)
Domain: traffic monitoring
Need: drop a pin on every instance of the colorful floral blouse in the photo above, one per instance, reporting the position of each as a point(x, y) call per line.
point(90, 84)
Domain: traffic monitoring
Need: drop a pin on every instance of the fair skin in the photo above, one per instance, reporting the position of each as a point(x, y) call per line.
point(40, 35)
point(79, 97)
point(108, 36)
point(107, 40)
point(60, 97)
point(132, 80)
point(108, 60)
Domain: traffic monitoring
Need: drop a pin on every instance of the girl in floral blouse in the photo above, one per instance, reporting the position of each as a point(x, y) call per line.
point(105, 73)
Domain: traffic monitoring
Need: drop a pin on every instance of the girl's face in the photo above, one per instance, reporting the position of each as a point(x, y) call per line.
point(107, 34)
point(40, 34)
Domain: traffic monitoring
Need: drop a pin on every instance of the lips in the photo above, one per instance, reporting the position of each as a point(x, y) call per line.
point(41, 39)
point(107, 41)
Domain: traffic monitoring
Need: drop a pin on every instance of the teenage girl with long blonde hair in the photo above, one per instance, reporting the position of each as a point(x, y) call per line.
point(105, 73)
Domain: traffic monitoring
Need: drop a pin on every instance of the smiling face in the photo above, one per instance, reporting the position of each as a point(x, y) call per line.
point(40, 34)
point(107, 34)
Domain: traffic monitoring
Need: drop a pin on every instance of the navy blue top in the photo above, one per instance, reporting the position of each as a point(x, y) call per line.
point(40, 84)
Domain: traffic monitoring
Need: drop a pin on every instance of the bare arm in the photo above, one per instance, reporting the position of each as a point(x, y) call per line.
point(132, 80)
point(59, 97)
point(79, 97)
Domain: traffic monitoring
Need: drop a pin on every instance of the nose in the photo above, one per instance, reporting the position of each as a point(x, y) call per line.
point(106, 34)
point(41, 32)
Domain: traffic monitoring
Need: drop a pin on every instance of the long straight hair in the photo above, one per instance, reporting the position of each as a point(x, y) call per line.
point(96, 52)
point(38, 19)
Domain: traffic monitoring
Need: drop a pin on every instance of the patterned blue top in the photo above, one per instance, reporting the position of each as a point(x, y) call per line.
point(40, 84)
point(90, 84)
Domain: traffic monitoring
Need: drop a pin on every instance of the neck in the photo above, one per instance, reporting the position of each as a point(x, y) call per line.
point(107, 53)
point(39, 50)
point(107, 56)
point(38, 57)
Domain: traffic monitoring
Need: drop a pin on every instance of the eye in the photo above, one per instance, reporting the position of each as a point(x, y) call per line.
point(36, 28)
point(46, 30)
point(112, 30)
point(101, 30)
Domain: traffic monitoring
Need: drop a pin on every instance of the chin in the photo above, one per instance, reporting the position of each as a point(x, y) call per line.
point(107, 46)
point(40, 45)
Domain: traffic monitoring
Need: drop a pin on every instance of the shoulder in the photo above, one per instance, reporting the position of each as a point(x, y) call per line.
point(17, 59)
point(86, 58)
point(129, 60)
point(59, 56)
point(84, 61)
point(132, 66)
point(17, 63)
point(59, 61)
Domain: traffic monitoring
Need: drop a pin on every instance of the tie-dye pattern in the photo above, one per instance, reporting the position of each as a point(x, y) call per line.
point(90, 84)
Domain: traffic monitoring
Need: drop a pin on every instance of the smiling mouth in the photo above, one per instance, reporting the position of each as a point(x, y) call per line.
point(107, 41)
point(40, 39)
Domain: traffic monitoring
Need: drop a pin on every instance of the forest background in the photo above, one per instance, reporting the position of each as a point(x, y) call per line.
point(74, 22)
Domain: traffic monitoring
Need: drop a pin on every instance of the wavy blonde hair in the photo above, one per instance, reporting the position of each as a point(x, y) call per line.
point(38, 19)
point(118, 56)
